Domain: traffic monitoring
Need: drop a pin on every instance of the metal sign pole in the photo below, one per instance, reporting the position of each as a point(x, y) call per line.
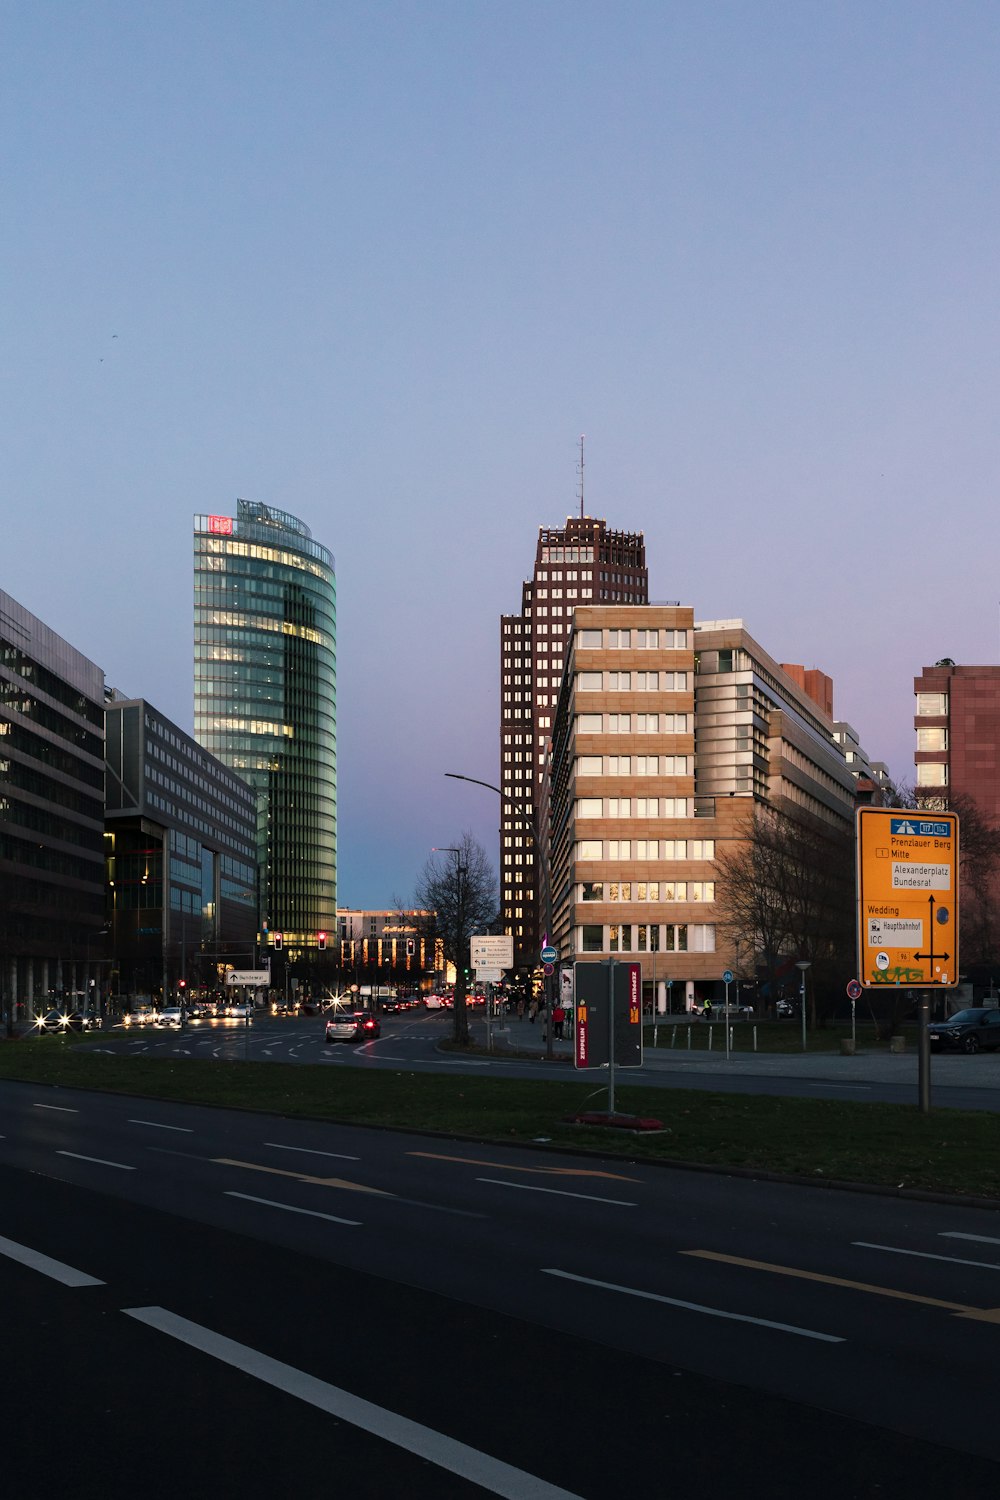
point(612, 965)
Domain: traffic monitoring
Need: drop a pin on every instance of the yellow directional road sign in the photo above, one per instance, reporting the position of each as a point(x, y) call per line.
point(907, 870)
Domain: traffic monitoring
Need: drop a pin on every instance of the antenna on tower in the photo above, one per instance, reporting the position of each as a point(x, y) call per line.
point(583, 436)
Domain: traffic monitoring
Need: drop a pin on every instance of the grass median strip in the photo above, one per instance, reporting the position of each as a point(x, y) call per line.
point(890, 1145)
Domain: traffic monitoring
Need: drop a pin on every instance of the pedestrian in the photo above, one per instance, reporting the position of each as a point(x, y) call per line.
point(532, 1011)
point(558, 1017)
point(520, 1008)
point(706, 1010)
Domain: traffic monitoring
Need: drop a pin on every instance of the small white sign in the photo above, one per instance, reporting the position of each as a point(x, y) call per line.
point(256, 977)
point(894, 932)
point(492, 952)
point(911, 877)
point(489, 976)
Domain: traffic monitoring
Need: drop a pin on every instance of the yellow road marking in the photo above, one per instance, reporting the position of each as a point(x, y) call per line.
point(335, 1182)
point(981, 1314)
point(474, 1161)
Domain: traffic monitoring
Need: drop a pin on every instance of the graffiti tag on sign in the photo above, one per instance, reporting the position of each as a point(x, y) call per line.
point(897, 975)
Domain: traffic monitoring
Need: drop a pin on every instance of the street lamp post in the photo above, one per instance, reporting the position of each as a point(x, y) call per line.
point(802, 965)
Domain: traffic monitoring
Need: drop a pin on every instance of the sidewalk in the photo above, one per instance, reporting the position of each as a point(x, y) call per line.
point(868, 1065)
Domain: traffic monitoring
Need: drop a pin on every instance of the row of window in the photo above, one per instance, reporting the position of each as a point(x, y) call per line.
point(637, 848)
point(639, 937)
point(631, 807)
point(632, 682)
point(633, 723)
point(647, 890)
point(639, 640)
point(633, 765)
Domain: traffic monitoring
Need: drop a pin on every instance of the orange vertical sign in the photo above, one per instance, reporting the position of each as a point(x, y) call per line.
point(907, 884)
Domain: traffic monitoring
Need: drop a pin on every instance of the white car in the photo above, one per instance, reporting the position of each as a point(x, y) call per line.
point(171, 1016)
point(433, 1002)
point(240, 1010)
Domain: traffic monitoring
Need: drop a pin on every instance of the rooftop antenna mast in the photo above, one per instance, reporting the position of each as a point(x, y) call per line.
point(583, 436)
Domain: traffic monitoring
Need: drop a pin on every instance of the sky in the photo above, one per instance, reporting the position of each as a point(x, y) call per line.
point(382, 264)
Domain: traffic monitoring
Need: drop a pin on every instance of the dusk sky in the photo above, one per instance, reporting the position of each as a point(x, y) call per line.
point(381, 264)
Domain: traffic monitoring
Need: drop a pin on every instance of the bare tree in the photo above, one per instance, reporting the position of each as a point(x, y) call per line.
point(460, 886)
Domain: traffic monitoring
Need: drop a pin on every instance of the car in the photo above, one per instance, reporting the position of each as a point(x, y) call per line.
point(171, 1016)
point(353, 1026)
point(52, 1021)
point(84, 1020)
point(142, 1015)
point(433, 1002)
point(240, 1010)
point(974, 1030)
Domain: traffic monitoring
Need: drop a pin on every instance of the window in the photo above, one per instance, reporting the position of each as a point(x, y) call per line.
point(619, 807)
point(619, 849)
point(618, 765)
point(588, 807)
point(674, 807)
point(932, 705)
point(933, 773)
point(702, 890)
point(618, 639)
point(620, 891)
point(588, 682)
point(618, 724)
point(675, 640)
point(675, 682)
point(701, 849)
point(647, 682)
point(589, 640)
point(673, 890)
point(619, 682)
point(588, 765)
point(676, 939)
point(620, 937)
point(674, 848)
point(932, 739)
point(588, 724)
point(647, 723)
point(592, 890)
point(648, 890)
point(647, 807)
point(589, 849)
point(647, 639)
point(675, 723)
point(675, 765)
point(591, 940)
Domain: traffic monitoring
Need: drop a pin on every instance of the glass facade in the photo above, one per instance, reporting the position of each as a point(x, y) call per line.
point(265, 682)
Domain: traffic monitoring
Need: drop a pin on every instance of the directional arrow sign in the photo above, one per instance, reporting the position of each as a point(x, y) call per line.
point(907, 881)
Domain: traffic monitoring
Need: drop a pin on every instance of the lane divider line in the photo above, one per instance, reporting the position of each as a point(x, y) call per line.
point(491, 1474)
point(697, 1307)
point(56, 1269)
point(531, 1187)
point(155, 1125)
point(950, 1260)
point(290, 1208)
point(308, 1151)
point(97, 1160)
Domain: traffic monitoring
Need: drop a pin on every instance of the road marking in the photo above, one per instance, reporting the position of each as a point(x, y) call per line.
point(951, 1260)
point(289, 1208)
point(98, 1160)
point(982, 1239)
point(863, 1087)
point(490, 1474)
point(499, 1166)
point(530, 1187)
point(59, 1108)
point(308, 1151)
point(712, 1312)
point(155, 1125)
point(44, 1263)
point(338, 1182)
point(980, 1314)
point(384, 1057)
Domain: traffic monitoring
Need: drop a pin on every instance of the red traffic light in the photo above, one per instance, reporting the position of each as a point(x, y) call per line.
point(182, 984)
point(277, 939)
point(321, 939)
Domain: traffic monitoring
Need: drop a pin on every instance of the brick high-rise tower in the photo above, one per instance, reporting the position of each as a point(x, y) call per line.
point(579, 563)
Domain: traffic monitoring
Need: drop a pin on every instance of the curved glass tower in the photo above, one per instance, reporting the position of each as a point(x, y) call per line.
point(265, 700)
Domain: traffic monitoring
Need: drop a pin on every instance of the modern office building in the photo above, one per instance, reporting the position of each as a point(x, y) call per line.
point(52, 911)
point(265, 701)
point(581, 563)
point(181, 843)
point(957, 724)
point(667, 734)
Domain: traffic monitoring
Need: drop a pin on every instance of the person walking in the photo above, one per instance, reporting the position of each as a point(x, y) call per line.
point(558, 1017)
point(532, 1011)
point(706, 1010)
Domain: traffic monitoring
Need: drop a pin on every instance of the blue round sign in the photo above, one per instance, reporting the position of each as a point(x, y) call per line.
point(548, 955)
point(727, 977)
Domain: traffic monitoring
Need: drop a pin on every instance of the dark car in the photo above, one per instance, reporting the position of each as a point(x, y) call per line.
point(84, 1020)
point(973, 1030)
point(53, 1020)
point(352, 1026)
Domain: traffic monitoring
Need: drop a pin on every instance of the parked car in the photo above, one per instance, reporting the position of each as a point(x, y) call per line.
point(973, 1030)
point(353, 1026)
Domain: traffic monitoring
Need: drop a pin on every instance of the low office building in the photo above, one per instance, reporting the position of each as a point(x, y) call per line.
point(666, 736)
point(181, 851)
point(51, 815)
point(387, 946)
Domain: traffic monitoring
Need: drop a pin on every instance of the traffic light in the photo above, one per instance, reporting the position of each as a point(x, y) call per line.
point(182, 984)
point(276, 939)
point(411, 947)
point(321, 941)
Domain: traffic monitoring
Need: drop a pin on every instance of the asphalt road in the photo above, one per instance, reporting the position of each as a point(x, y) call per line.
point(266, 1303)
point(413, 1039)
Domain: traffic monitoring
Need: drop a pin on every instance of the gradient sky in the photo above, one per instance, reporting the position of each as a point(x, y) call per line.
point(381, 264)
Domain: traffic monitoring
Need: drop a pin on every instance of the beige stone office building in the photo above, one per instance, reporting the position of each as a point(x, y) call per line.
point(665, 735)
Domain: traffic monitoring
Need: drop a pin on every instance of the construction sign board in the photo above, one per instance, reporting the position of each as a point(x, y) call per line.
point(907, 883)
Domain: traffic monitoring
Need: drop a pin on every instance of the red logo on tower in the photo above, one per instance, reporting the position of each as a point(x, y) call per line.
point(221, 525)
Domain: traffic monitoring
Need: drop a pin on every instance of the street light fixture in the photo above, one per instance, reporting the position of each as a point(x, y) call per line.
point(802, 965)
